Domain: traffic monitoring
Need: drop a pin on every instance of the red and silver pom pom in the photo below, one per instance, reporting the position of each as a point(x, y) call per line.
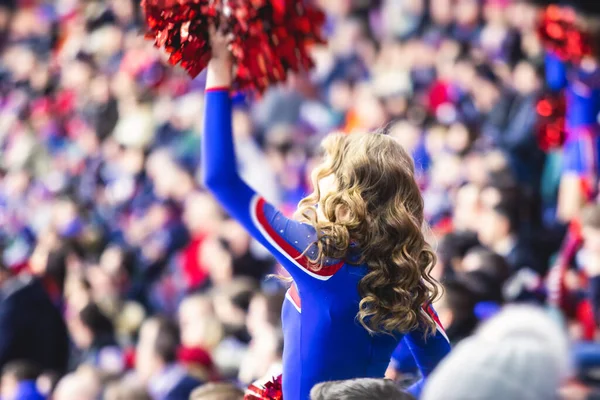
point(560, 34)
point(271, 390)
point(181, 27)
point(270, 37)
point(551, 109)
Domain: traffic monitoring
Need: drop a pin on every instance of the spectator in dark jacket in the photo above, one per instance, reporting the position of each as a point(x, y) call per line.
point(511, 123)
point(31, 327)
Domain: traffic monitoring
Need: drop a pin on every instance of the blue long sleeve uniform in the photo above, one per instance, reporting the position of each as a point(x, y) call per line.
point(322, 340)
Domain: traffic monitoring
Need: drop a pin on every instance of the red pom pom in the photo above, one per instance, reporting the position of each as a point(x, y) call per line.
point(272, 390)
point(270, 37)
point(551, 110)
point(560, 34)
point(181, 27)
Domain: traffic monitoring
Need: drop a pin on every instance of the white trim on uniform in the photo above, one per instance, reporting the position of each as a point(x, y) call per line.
point(441, 330)
point(291, 300)
point(438, 327)
point(261, 229)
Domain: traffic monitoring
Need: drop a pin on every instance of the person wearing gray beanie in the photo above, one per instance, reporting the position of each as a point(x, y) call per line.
point(359, 389)
point(520, 354)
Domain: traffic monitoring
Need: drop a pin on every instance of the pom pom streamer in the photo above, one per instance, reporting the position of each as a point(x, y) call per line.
point(560, 34)
point(271, 390)
point(551, 109)
point(270, 37)
point(181, 28)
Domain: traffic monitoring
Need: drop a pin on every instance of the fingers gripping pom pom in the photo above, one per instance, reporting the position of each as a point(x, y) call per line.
point(270, 37)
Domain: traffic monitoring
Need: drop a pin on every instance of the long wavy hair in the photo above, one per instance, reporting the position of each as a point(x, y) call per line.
point(378, 209)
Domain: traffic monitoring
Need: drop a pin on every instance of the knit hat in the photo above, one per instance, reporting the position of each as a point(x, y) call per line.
point(520, 354)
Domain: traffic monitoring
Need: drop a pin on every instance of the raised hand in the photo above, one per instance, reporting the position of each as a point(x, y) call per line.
point(219, 72)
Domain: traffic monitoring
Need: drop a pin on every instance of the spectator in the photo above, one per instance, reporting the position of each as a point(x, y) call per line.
point(31, 327)
point(103, 221)
point(264, 310)
point(123, 391)
point(83, 384)
point(485, 274)
point(202, 217)
point(492, 264)
point(156, 361)
point(231, 304)
point(93, 333)
point(264, 355)
point(498, 230)
point(217, 391)
point(198, 322)
point(518, 140)
point(265, 349)
point(456, 311)
point(19, 381)
point(590, 255)
point(198, 363)
point(358, 389)
point(452, 249)
point(201, 332)
point(467, 208)
point(519, 354)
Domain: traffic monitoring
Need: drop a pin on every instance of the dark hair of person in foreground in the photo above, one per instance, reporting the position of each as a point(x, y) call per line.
point(359, 389)
point(22, 370)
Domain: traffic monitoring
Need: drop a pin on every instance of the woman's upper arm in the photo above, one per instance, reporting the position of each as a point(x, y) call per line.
point(294, 241)
point(556, 72)
point(286, 239)
point(290, 241)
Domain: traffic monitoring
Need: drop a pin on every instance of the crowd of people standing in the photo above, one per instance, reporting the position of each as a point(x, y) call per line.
point(117, 260)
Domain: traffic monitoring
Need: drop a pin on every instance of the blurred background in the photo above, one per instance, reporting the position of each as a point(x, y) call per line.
point(125, 265)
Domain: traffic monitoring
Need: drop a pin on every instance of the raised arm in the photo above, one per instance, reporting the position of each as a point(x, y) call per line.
point(427, 351)
point(286, 239)
point(556, 72)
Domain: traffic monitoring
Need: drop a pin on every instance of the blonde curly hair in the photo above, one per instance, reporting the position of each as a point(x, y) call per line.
point(377, 207)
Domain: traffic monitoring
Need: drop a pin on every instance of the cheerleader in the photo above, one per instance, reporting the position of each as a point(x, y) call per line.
point(580, 153)
point(572, 66)
point(355, 251)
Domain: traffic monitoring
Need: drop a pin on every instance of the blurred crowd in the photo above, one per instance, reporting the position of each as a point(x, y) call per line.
point(121, 278)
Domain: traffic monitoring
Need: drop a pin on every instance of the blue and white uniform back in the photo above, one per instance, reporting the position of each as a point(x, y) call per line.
point(322, 339)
